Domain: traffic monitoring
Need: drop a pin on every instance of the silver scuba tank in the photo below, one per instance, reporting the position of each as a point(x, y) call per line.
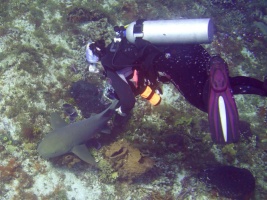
point(171, 31)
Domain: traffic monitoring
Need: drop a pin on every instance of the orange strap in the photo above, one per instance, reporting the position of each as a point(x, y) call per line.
point(154, 98)
point(147, 92)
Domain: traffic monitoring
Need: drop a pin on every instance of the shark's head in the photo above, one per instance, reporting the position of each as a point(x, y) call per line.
point(51, 147)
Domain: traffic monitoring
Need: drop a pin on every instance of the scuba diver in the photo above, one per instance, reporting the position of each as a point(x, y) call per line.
point(169, 51)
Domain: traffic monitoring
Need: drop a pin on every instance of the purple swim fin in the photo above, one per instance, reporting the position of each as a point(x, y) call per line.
point(222, 110)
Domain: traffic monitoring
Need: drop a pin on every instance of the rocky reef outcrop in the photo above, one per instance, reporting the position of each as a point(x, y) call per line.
point(127, 160)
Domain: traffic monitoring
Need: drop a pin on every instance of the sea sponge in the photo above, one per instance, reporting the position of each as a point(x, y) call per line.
point(127, 160)
point(229, 181)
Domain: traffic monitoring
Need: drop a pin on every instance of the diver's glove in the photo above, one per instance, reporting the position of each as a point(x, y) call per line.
point(91, 55)
point(118, 110)
point(92, 68)
point(92, 59)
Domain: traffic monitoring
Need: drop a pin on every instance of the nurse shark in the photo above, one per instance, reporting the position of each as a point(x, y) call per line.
point(71, 137)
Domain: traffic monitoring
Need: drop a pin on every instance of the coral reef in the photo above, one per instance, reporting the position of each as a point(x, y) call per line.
point(85, 94)
point(79, 15)
point(9, 171)
point(67, 160)
point(127, 161)
point(12, 172)
point(230, 152)
point(262, 112)
point(43, 66)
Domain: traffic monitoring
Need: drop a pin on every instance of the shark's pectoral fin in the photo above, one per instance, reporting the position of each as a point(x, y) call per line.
point(82, 152)
point(105, 129)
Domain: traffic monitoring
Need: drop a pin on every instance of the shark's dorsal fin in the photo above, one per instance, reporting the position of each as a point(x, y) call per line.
point(82, 152)
point(56, 121)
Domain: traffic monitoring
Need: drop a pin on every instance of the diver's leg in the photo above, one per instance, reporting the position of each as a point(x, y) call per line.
point(123, 90)
point(247, 85)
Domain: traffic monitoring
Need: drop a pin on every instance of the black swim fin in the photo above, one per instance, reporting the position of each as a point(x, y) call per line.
point(222, 110)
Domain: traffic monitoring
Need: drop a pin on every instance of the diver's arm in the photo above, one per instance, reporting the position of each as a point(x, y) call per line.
point(123, 91)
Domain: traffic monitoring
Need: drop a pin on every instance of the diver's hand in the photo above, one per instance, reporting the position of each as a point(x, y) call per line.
point(92, 68)
point(135, 79)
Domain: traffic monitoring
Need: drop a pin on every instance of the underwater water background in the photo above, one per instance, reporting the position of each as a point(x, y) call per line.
point(42, 54)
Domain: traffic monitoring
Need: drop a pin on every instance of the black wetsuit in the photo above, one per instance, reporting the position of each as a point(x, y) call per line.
point(186, 65)
point(125, 55)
